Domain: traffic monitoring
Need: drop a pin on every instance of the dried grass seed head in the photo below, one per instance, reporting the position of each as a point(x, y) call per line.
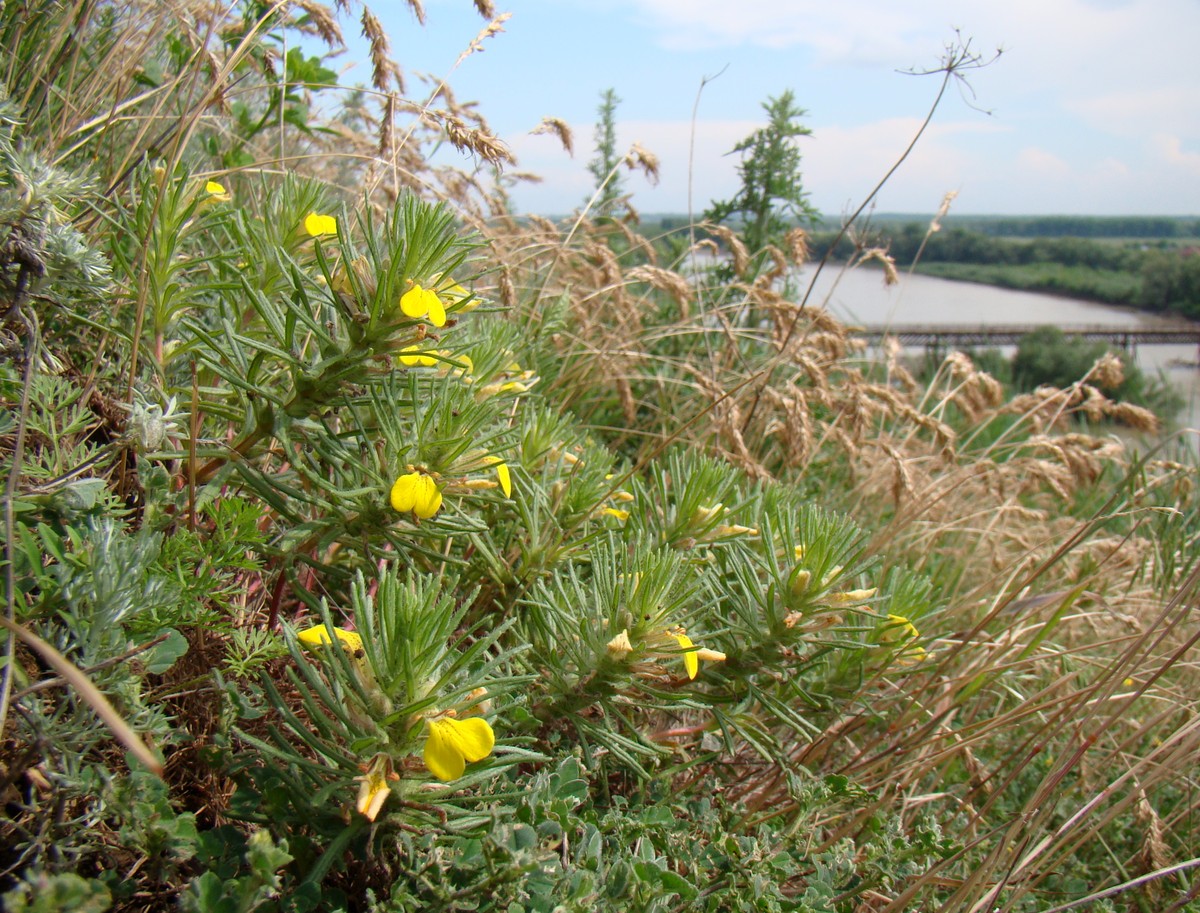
point(384, 71)
point(641, 157)
point(560, 128)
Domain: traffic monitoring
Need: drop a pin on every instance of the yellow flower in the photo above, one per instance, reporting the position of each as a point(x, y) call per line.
point(421, 302)
point(217, 192)
point(417, 492)
point(456, 294)
point(316, 224)
point(459, 366)
point(800, 579)
point(899, 625)
point(733, 530)
point(374, 789)
point(418, 359)
point(453, 743)
point(899, 631)
point(621, 515)
point(621, 646)
point(852, 597)
point(502, 473)
point(319, 634)
point(691, 659)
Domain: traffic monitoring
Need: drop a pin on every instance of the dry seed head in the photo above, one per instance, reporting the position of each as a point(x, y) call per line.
point(418, 9)
point(936, 224)
point(384, 71)
point(1155, 855)
point(797, 245)
point(1108, 372)
point(628, 402)
point(504, 284)
point(779, 265)
point(960, 365)
point(741, 256)
point(477, 140)
point(1135, 417)
point(387, 129)
point(559, 128)
point(321, 22)
point(639, 156)
point(1092, 403)
point(490, 30)
point(664, 280)
point(890, 276)
point(486, 8)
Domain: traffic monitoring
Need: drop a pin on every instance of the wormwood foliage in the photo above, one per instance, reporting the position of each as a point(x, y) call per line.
point(436, 563)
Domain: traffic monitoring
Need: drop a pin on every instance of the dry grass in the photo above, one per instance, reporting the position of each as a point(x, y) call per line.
point(1057, 694)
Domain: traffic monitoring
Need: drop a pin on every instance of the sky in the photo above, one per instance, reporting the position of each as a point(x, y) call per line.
point(1092, 108)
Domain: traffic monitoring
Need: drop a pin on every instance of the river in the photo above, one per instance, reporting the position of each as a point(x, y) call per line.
point(859, 297)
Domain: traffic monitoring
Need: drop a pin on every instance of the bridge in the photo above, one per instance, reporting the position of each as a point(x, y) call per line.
point(943, 336)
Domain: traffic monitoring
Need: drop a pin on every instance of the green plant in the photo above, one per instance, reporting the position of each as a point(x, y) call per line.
point(771, 199)
point(605, 167)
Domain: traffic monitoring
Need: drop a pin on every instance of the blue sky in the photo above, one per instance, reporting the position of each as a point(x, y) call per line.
point(1093, 108)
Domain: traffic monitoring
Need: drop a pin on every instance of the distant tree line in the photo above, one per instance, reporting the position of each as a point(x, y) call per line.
point(1148, 227)
point(1118, 227)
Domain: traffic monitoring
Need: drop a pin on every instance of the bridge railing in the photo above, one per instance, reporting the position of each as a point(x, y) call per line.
point(941, 335)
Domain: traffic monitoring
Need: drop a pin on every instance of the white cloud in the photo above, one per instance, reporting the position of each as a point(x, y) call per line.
point(1170, 150)
point(1042, 163)
point(834, 31)
point(1138, 112)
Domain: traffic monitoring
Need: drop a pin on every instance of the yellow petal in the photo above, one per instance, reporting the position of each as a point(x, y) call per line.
point(319, 634)
point(691, 661)
point(316, 224)
point(906, 627)
point(216, 191)
point(417, 359)
point(435, 309)
point(371, 796)
point(429, 498)
point(505, 478)
point(457, 294)
point(417, 492)
point(412, 302)
point(467, 367)
point(404, 492)
point(373, 789)
point(452, 743)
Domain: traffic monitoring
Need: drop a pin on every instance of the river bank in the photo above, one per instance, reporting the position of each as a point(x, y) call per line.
point(859, 297)
point(1098, 286)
